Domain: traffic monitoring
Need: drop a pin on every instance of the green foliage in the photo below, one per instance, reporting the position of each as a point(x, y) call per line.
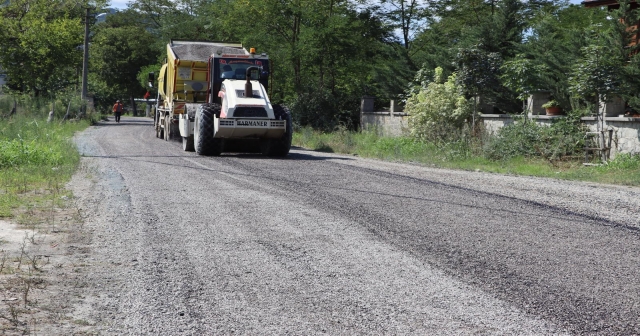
point(15, 153)
point(36, 158)
point(406, 16)
point(557, 38)
point(117, 55)
point(39, 107)
point(523, 75)
point(624, 162)
point(551, 103)
point(562, 139)
point(463, 155)
point(143, 78)
point(598, 73)
point(501, 31)
point(28, 139)
point(477, 73)
point(318, 110)
point(40, 40)
point(621, 41)
point(437, 110)
point(540, 59)
point(367, 144)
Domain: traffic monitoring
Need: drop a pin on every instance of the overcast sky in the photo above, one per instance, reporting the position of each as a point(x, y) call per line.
point(123, 3)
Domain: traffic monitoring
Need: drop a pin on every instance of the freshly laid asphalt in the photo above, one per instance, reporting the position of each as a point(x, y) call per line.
point(316, 243)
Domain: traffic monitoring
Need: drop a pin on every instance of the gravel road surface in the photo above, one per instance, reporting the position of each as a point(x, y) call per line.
point(317, 243)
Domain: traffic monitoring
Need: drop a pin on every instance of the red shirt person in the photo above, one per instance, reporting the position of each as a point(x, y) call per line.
point(117, 110)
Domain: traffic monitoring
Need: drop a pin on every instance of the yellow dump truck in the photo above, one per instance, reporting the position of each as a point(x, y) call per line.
point(214, 96)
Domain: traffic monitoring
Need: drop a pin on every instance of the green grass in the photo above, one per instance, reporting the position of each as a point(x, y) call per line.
point(36, 160)
point(624, 170)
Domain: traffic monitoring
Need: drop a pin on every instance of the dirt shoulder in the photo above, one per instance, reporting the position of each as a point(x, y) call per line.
point(42, 255)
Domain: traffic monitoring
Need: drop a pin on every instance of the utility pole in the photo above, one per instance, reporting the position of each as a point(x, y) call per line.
point(85, 60)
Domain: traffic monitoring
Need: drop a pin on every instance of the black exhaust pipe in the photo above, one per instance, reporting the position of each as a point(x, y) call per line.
point(248, 88)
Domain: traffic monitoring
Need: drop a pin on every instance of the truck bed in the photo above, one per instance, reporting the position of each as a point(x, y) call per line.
point(201, 51)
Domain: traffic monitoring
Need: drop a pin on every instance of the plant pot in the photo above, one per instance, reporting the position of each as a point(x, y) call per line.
point(554, 111)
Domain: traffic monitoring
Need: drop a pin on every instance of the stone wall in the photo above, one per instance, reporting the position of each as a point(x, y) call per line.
point(626, 131)
point(386, 123)
point(391, 122)
point(493, 122)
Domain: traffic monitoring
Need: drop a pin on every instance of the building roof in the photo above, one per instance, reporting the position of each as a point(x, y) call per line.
point(596, 3)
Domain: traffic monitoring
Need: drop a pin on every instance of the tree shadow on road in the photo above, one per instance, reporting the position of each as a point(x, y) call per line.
point(243, 156)
point(137, 121)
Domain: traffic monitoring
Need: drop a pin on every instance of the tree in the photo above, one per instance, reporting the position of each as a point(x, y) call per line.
point(320, 50)
point(409, 16)
point(598, 75)
point(523, 75)
point(621, 41)
point(556, 41)
point(477, 77)
point(118, 54)
point(496, 26)
point(36, 62)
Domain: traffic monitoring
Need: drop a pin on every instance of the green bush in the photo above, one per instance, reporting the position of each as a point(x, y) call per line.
point(438, 110)
point(563, 138)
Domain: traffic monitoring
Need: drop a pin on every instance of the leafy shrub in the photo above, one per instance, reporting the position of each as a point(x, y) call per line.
point(563, 138)
point(437, 110)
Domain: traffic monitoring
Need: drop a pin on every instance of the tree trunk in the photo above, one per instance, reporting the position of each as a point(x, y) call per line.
point(134, 111)
point(15, 107)
point(66, 115)
point(295, 35)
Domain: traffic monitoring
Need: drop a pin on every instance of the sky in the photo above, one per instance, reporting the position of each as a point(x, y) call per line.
point(121, 4)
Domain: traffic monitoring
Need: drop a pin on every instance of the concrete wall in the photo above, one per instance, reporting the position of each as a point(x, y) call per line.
point(626, 131)
point(386, 123)
point(535, 102)
point(391, 122)
point(493, 122)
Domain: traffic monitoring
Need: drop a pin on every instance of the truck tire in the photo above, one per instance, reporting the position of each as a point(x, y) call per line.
point(187, 144)
point(167, 128)
point(280, 147)
point(205, 143)
point(157, 123)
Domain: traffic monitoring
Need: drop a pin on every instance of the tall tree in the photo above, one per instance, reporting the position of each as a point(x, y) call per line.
point(34, 61)
point(409, 16)
point(327, 49)
point(118, 54)
point(556, 40)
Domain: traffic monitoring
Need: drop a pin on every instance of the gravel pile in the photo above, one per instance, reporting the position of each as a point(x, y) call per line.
point(202, 51)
